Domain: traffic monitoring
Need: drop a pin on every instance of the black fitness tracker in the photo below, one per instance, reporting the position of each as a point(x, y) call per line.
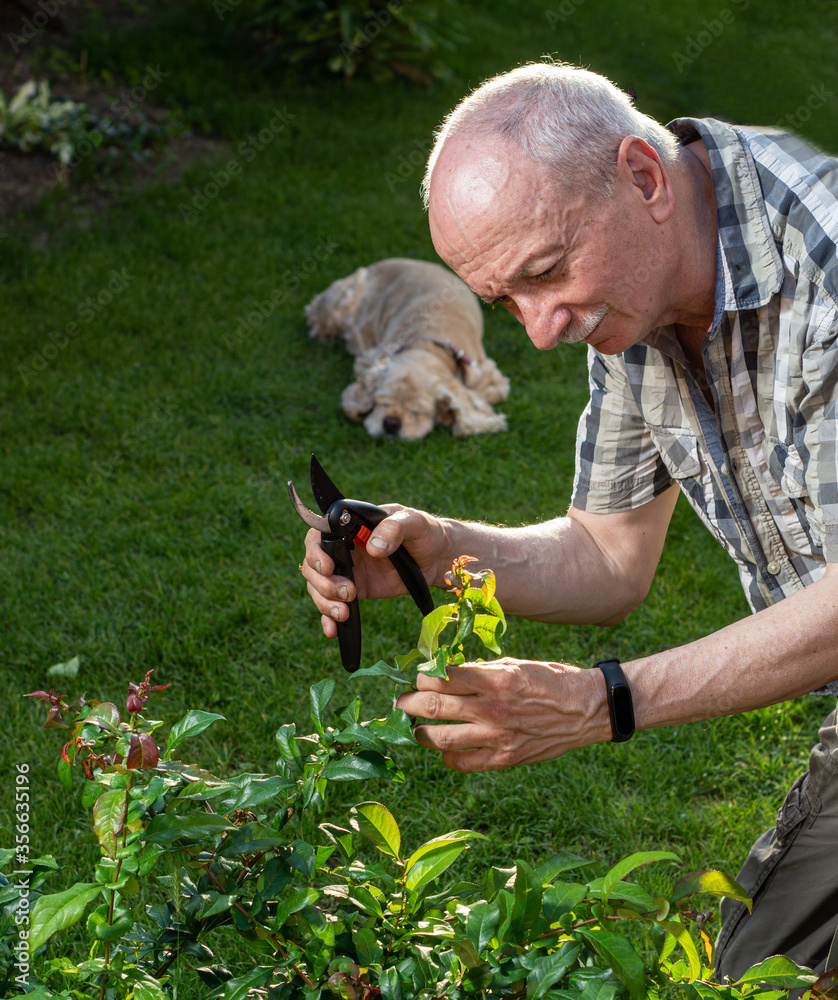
point(619, 700)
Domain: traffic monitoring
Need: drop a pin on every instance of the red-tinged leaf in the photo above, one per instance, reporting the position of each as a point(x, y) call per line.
point(64, 754)
point(826, 986)
point(142, 753)
point(109, 813)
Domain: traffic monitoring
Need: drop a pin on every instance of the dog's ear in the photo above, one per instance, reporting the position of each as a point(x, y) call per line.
point(357, 401)
point(484, 377)
point(464, 412)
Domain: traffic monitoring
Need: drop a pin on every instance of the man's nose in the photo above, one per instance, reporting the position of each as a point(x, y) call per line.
point(544, 322)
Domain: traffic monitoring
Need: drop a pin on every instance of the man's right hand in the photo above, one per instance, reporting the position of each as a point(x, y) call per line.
point(422, 535)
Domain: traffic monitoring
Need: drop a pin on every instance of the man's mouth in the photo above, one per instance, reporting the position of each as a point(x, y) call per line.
point(582, 331)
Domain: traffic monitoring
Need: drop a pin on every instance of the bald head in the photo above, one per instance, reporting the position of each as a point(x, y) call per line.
point(556, 115)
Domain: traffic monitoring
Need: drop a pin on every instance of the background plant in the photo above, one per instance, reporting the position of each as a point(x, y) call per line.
point(32, 120)
point(408, 38)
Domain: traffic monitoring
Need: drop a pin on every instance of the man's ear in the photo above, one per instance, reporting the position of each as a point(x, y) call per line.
point(642, 164)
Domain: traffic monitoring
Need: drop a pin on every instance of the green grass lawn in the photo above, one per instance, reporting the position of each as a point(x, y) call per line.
point(144, 519)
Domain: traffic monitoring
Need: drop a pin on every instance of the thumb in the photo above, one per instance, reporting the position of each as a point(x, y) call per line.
point(386, 538)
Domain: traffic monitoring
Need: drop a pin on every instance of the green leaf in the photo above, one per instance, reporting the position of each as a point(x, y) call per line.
point(496, 879)
point(59, 911)
point(396, 729)
point(105, 715)
point(250, 838)
point(382, 669)
point(366, 944)
point(320, 694)
point(561, 898)
point(100, 928)
point(482, 923)
point(390, 984)
point(169, 827)
point(529, 892)
point(681, 935)
point(432, 627)
point(148, 859)
point(68, 669)
point(239, 988)
point(297, 899)
point(549, 969)
point(65, 774)
point(194, 722)
point(375, 823)
point(254, 789)
point(354, 767)
point(432, 864)
point(622, 868)
point(561, 862)
point(620, 957)
point(488, 629)
point(452, 837)
point(109, 818)
point(777, 971)
point(713, 882)
point(289, 750)
point(356, 733)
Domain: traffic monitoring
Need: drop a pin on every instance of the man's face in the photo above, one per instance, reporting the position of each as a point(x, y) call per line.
point(570, 268)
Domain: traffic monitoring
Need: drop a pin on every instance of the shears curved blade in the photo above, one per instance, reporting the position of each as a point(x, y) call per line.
point(341, 524)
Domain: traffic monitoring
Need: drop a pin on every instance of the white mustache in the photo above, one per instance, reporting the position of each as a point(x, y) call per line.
point(576, 332)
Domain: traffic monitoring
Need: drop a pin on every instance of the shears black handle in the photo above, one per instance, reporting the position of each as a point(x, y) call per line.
point(352, 521)
point(349, 632)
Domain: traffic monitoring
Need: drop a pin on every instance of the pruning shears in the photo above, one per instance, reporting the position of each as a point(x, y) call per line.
point(342, 523)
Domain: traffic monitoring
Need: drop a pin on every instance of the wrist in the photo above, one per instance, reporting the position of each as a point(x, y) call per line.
point(619, 700)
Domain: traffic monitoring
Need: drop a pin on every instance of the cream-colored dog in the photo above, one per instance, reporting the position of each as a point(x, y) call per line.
point(417, 332)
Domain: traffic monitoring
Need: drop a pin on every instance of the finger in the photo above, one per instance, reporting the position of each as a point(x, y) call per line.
point(329, 607)
point(438, 705)
point(465, 679)
point(329, 626)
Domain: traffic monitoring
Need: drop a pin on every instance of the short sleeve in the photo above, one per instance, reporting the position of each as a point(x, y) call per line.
point(618, 466)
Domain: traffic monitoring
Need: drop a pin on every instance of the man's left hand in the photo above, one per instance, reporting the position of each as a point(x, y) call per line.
point(507, 712)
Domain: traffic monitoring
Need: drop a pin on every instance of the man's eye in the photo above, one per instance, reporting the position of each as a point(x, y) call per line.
point(546, 274)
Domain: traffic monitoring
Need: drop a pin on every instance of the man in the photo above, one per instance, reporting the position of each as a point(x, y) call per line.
point(698, 263)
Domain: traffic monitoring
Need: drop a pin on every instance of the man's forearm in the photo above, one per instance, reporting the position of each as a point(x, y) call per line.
point(579, 569)
point(777, 654)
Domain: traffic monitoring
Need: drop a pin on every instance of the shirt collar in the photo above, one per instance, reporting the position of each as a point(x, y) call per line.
point(749, 268)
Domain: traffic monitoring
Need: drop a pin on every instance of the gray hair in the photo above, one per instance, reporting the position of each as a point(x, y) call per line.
point(551, 111)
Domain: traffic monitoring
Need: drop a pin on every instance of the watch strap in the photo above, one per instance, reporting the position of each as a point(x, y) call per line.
point(620, 707)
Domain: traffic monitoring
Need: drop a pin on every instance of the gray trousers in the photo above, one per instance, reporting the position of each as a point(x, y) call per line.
point(791, 874)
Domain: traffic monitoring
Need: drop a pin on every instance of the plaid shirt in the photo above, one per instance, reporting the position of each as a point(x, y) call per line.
point(762, 471)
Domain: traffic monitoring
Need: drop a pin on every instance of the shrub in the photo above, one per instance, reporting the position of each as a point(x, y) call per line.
point(404, 37)
point(328, 909)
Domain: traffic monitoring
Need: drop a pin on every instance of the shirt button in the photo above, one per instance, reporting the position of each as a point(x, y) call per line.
point(773, 567)
point(724, 469)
